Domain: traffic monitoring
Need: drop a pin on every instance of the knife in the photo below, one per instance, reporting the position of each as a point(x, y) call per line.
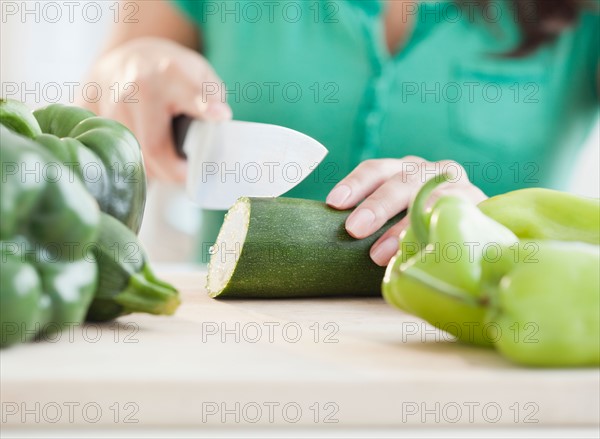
point(233, 159)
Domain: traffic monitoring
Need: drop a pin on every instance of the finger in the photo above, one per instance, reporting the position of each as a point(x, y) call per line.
point(197, 99)
point(201, 96)
point(214, 95)
point(387, 245)
point(391, 198)
point(155, 137)
point(201, 103)
point(173, 167)
point(362, 182)
point(166, 166)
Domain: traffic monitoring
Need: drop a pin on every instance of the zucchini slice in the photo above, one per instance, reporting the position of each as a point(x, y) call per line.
point(287, 248)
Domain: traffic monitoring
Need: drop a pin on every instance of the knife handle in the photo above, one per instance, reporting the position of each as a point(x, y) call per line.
point(180, 126)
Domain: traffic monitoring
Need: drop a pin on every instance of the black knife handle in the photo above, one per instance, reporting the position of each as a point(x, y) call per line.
point(180, 126)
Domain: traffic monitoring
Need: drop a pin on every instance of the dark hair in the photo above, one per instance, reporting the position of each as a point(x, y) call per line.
point(542, 21)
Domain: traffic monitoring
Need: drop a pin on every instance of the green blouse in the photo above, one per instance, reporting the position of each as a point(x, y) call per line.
point(322, 67)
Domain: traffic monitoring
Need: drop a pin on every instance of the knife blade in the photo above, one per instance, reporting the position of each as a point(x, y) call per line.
point(232, 159)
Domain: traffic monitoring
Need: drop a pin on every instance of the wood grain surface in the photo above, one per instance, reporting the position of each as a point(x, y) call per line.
point(332, 363)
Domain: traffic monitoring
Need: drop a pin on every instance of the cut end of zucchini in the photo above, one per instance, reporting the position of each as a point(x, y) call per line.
point(227, 249)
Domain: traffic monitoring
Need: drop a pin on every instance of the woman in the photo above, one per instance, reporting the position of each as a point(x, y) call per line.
point(500, 92)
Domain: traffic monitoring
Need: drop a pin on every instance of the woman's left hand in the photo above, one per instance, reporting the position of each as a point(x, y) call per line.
point(387, 187)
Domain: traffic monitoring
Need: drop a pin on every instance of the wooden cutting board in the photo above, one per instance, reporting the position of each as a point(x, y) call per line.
point(325, 363)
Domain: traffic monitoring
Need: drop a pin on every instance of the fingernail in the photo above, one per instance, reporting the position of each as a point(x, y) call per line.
point(219, 110)
point(359, 222)
point(384, 251)
point(338, 195)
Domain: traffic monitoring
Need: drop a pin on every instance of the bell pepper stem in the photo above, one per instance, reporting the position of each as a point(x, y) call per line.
point(417, 209)
point(145, 294)
point(443, 287)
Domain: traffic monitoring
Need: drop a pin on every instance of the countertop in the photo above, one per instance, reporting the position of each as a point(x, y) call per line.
point(327, 364)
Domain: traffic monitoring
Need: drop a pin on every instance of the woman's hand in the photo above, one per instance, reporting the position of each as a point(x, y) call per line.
point(387, 187)
point(145, 83)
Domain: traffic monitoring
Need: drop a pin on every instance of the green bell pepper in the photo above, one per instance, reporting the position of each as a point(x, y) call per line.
point(103, 153)
point(126, 283)
point(546, 214)
point(16, 116)
point(48, 228)
point(537, 302)
point(544, 304)
point(446, 244)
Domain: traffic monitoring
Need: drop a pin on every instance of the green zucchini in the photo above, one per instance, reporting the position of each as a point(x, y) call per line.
point(285, 248)
point(126, 283)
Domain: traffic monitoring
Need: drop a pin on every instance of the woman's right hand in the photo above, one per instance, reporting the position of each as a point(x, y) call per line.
point(145, 83)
